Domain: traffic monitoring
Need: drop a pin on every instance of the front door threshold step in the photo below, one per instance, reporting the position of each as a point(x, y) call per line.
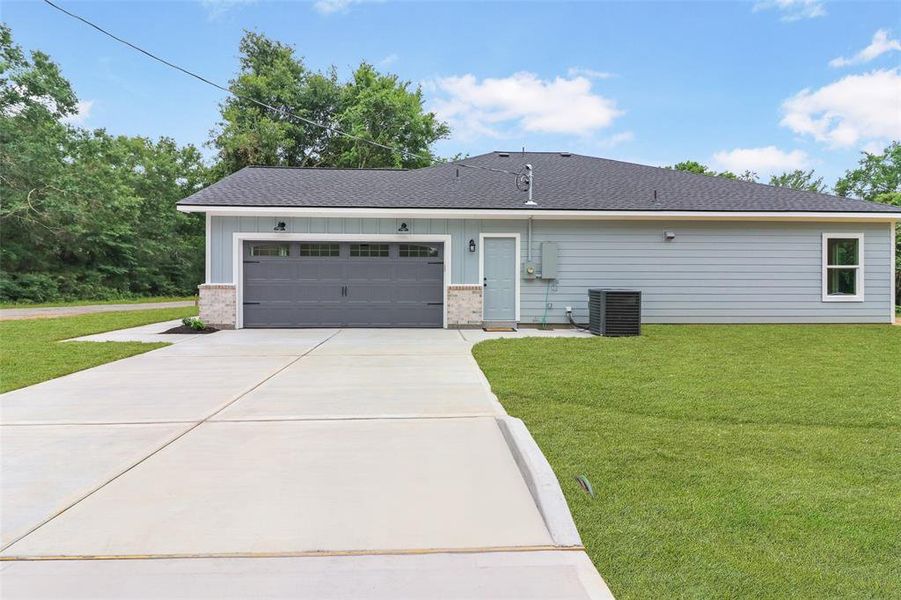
point(498, 326)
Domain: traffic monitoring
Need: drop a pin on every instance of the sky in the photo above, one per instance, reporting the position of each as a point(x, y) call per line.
point(766, 86)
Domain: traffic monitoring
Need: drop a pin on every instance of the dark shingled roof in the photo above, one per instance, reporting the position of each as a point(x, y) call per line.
point(562, 181)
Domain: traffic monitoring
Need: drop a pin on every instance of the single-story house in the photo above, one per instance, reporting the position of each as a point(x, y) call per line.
point(460, 244)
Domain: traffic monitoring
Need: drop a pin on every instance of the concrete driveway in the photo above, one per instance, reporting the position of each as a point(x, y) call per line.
point(274, 463)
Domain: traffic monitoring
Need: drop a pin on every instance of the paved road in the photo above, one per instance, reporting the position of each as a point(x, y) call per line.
point(274, 463)
point(12, 314)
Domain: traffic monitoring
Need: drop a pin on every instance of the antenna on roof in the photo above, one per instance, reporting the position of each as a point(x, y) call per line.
point(524, 183)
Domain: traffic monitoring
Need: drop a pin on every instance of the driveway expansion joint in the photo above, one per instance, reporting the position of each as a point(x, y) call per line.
point(297, 554)
point(94, 423)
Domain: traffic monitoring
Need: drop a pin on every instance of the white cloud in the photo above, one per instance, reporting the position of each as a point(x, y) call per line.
point(523, 101)
point(589, 73)
point(793, 10)
point(83, 111)
point(616, 139)
point(388, 60)
point(878, 46)
point(217, 8)
point(328, 7)
point(764, 161)
point(855, 110)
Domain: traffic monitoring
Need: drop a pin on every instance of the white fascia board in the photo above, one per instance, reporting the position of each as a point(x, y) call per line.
point(615, 215)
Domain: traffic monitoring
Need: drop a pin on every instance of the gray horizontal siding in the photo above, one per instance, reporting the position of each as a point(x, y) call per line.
point(713, 272)
point(465, 265)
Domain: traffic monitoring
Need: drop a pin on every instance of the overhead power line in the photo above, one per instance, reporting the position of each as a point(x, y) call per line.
point(282, 111)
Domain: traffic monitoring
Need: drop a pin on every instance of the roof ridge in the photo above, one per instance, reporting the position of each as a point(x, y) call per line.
point(672, 170)
point(299, 168)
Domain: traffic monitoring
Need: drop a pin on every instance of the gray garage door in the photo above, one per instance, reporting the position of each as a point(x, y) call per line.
point(341, 284)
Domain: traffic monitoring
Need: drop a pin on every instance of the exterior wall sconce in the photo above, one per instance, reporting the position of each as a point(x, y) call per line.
point(280, 226)
point(669, 235)
point(472, 245)
point(403, 228)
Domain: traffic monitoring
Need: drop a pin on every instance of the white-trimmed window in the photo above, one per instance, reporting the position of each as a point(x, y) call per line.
point(842, 267)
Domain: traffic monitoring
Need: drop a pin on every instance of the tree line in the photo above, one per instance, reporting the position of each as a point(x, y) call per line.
point(85, 214)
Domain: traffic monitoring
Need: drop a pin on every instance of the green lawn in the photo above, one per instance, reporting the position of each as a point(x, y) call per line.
point(151, 300)
point(30, 352)
point(727, 461)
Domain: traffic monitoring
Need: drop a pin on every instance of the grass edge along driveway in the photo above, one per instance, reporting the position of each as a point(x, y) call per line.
point(30, 351)
point(67, 303)
point(728, 461)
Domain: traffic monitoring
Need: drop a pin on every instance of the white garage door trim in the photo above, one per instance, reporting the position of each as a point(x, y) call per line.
point(238, 239)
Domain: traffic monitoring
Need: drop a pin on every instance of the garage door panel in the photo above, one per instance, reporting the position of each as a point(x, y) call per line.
point(419, 316)
point(369, 294)
point(271, 292)
point(404, 289)
point(420, 272)
point(270, 271)
point(320, 269)
point(311, 290)
point(363, 316)
point(273, 314)
point(290, 315)
point(375, 271)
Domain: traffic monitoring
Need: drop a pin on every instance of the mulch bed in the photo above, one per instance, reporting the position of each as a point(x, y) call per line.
point(186, 329)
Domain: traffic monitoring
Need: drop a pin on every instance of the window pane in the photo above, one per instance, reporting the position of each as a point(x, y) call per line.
point(269, 250)
point(842, 282)
point(369, 250)
point(842, 251)
point(417, 251)
point(326, 249)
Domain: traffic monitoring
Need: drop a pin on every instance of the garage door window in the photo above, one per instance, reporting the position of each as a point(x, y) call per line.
point(269, 249)
point(320, 249)
point(417, 251)
point(369, 250)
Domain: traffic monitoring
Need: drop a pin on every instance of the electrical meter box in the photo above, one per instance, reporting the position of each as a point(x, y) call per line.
point(549, 260)
point(529, 270)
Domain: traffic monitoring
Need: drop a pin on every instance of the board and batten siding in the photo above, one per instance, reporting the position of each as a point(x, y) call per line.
point(712, 272)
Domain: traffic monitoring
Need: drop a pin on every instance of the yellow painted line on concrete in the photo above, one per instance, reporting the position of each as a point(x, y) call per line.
point(298, 554)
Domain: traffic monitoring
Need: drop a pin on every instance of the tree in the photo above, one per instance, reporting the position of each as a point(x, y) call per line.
point(372, 106)
point(878, 178)
point(86, 214)
point(252, 134)
point(383, 109)
point(876, 174)
point(799, 180)
point(749, 176)
point(693, 166)
point(32, 89)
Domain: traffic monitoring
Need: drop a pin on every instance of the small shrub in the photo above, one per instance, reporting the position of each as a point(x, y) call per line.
point(195, 323)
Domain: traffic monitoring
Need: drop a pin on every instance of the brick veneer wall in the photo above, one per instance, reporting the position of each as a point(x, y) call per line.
point(218, 304)
point(464, 305)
